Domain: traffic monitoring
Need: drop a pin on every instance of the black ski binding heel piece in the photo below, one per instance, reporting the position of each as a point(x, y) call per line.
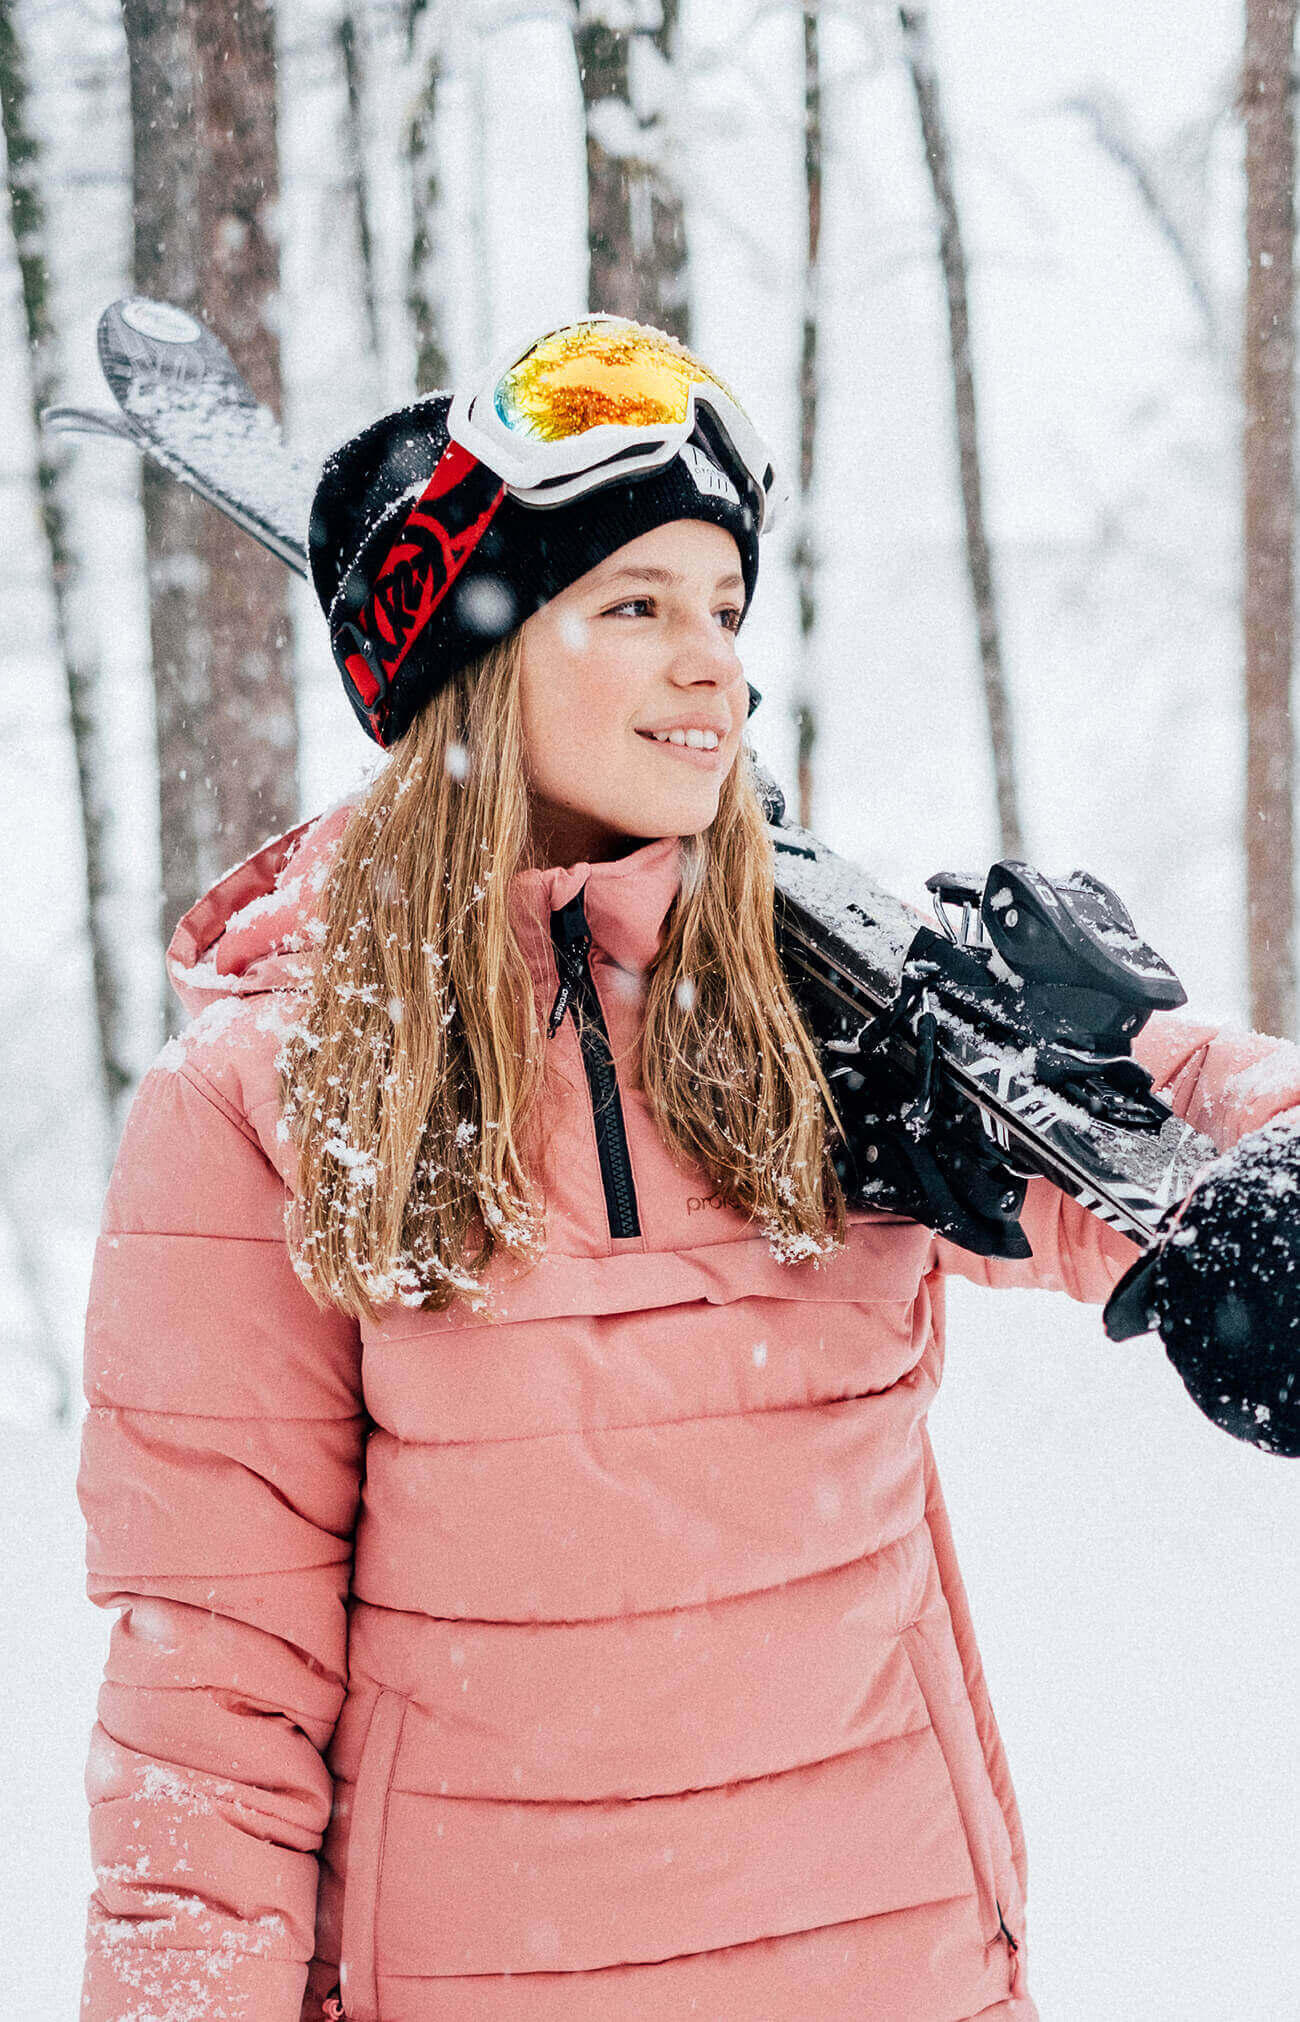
point(1058, 967)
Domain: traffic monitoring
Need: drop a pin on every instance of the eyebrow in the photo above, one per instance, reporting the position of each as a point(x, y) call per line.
point(649, 574)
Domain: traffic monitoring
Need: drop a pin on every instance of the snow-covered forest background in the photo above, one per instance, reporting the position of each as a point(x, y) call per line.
point(1133, 1572)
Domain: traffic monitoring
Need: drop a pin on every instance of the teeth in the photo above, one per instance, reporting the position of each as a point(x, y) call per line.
point(697, 740)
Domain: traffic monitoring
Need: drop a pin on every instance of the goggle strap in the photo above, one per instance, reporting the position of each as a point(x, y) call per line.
point(419, 568)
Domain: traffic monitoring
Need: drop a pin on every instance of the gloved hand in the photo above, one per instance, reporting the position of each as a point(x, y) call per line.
point(1223, 1290)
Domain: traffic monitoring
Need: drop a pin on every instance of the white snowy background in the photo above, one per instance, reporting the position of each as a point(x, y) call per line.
point(1133, 1572)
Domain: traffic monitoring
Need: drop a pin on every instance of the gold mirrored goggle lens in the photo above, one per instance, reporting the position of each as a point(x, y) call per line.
point(592, 374)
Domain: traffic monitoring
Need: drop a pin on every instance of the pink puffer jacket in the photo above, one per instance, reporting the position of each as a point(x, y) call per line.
point(600, 1657)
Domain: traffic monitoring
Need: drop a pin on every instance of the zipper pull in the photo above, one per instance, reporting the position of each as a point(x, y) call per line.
point(559, 1007)
point(571, 938)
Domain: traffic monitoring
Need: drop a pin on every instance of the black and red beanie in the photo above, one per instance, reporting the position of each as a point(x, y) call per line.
point(519, 556)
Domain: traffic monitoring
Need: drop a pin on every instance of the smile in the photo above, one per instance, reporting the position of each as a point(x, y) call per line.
point(695, 740)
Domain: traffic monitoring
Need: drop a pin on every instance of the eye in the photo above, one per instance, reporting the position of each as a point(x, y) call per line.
point(641, 605)
point(731, 617)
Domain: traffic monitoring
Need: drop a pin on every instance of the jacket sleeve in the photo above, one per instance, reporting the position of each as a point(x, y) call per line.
point(219, 1481)
point(1226, 1083)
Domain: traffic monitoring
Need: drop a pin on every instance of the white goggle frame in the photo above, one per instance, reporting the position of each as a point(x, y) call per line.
point(540, 473)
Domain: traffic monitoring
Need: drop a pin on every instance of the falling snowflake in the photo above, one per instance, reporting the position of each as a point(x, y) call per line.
point(487, 605)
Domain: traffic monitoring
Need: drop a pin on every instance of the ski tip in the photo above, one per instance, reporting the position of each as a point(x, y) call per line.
point(156, 322)
point(144, 345)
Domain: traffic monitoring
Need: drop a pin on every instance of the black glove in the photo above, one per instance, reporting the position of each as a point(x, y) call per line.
point(1223, 1291)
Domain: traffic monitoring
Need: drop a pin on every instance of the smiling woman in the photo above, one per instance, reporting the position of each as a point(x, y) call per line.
point(514, 1449)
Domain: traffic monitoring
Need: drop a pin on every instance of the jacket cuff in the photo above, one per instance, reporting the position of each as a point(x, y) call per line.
point(129, 1982)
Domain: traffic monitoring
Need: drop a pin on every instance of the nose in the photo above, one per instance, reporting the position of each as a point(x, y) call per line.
point(705, 655)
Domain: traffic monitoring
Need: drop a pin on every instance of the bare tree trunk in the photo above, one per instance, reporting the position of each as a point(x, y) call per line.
point(76, 652)
point(253, 716)
point(424, 288)
point(979, 559)
point(160, 51)
point(203, 141)
point(351, 51)
point(1111, 132)
point(669, 257)
point(612, 284)
point(805, 552)
point(1268, 365)
point(636, 227)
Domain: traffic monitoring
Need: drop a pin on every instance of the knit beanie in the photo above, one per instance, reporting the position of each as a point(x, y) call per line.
point(518, 561)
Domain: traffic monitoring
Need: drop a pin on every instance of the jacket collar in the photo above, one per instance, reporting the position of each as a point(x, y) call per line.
point(625, 901)
point(249, 933)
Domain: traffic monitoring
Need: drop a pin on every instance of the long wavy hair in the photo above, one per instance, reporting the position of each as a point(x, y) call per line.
point(412, 1083)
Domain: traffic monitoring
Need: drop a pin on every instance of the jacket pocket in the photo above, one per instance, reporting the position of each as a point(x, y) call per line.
point(365, 1858)
point(954, 1729)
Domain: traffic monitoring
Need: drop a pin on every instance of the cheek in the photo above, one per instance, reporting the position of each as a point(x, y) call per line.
point(575, 721)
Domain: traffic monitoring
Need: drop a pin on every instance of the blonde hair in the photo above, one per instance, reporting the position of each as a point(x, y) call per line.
point(411, 1084)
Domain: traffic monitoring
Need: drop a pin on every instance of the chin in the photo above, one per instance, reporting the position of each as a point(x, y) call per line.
point(682, 820)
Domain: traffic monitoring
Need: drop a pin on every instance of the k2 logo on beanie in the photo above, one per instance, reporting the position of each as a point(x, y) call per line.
point(423, 560)
point(709, 479)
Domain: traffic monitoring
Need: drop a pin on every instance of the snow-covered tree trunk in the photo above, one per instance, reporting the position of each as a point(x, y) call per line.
point(1268, 514)
point(636, 225)
point(424, 281)
point(979, 558)
point(75, 648)
point(805, 549)
point(253, 716)
point(165, 265)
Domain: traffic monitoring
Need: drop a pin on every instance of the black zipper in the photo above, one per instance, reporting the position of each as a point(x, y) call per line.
point(571, 938)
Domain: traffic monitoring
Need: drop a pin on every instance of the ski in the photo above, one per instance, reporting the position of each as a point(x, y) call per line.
point(183, 401)
point(1007, 1043)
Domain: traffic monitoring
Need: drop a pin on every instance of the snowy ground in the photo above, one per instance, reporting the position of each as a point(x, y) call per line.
point(1132, 1572)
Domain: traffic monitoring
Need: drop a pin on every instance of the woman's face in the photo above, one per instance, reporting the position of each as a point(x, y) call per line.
point(641, 646)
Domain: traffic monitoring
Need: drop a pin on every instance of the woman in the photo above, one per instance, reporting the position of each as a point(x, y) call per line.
point(537, 1599)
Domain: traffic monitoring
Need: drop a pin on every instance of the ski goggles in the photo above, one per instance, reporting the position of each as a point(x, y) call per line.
point(599, 400)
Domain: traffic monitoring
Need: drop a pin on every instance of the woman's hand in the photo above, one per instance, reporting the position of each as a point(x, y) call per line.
point(1223, 1290)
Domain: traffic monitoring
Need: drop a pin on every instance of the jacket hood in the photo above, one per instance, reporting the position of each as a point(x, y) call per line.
point(251, 931)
